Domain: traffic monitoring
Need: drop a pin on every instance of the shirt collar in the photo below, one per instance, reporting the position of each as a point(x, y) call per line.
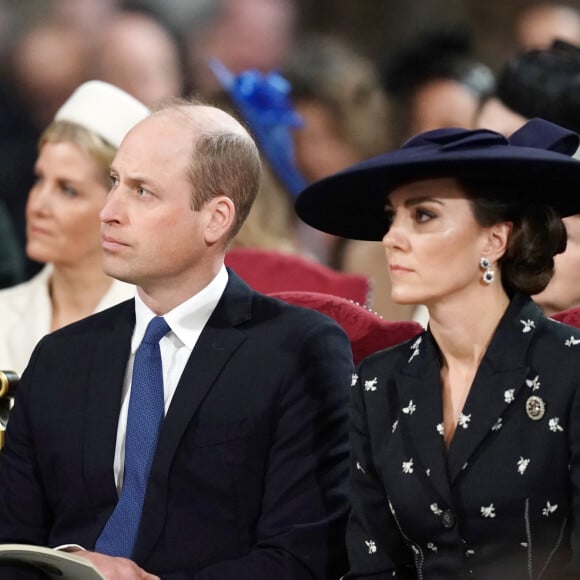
point(188, 318)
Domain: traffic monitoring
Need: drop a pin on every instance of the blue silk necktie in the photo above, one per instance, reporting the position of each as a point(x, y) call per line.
point(146, 410)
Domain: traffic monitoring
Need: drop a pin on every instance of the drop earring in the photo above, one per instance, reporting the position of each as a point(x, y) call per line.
point(488, 274)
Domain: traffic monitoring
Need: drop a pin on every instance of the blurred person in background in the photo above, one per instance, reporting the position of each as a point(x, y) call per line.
point(435, 81)
point(138, 53)
point(262, 101)
point(12, 267)
point(47, 62)
point(346, 115)
point(88, 18)
point(242, 34)
point(537, 24)
point(543, 83)
point(62, 221)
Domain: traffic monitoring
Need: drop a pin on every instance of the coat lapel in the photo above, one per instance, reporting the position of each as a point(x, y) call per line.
point(498, 382)
point(419, 389)
point(217, 343)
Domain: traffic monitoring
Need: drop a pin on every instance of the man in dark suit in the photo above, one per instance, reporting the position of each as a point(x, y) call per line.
point(247, 476)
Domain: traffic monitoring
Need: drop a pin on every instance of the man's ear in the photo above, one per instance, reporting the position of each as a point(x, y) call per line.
point(221, 213)
point(497, 241)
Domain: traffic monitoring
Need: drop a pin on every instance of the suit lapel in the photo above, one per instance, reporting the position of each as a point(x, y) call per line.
point(419, 389)
point(104, 391)
point(217, 343)
point(499, 382)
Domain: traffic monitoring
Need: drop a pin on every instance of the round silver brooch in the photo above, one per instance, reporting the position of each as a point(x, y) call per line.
point(535, 408)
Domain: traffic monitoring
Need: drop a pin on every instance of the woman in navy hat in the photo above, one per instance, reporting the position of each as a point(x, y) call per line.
point(466, 439)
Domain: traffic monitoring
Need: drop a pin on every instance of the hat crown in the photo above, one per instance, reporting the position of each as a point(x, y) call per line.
point(450, 139)
point(536, 134)
point(103, 109)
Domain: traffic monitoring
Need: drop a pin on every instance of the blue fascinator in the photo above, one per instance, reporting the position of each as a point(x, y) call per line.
point(262, 99)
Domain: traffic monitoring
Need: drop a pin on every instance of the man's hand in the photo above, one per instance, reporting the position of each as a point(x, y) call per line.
point(116, 568)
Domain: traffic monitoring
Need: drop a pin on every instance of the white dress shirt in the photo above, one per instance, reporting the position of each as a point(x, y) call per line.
point(186, 322)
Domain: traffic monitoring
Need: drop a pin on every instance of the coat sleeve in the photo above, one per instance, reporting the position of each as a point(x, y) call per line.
point(300, 532)
point(375, 546)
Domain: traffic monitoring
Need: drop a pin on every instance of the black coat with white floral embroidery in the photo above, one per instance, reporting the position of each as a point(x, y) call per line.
point(503, 500)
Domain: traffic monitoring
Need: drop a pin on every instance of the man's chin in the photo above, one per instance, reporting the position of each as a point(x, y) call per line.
point(121, 275)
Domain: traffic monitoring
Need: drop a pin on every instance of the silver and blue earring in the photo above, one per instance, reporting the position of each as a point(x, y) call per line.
point(488, 273)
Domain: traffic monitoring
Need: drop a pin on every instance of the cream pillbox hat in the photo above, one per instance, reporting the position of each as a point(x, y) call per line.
point(104, 109)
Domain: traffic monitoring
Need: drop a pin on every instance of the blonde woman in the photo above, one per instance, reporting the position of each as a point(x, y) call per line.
point(62, 223)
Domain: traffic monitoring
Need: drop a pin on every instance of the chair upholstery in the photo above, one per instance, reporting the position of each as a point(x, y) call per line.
point(368, 332)
point(570, 316)
point(270, 271)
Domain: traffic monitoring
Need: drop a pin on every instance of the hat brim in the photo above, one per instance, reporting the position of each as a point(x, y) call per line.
point(351, 203)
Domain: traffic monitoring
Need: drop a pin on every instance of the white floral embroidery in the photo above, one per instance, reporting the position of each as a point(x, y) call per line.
point(371, 385)
point(522, 465)
point(554, 424)
point(498, 425)
point(524, 544)
point(534, 383)
point(353, 379)
point(432, 546)
point(436, 509)
point(408, 466)
point(465, 466)
point(509, 395)
point(528, 325)
point(394, 427)
point(372, 547)
point(415, 349)
point(440, 428)
point(549, 509)
point(428, 472)
point(469, 553)
point(360, 467)
point(488, 511)
point(464, 420)
point(410, 408)
point(572, 341)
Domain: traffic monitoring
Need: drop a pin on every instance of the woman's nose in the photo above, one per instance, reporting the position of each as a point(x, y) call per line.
point(394, 238)
point(39, 197)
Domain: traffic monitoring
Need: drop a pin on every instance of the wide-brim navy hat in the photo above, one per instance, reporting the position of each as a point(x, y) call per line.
point(535, 160)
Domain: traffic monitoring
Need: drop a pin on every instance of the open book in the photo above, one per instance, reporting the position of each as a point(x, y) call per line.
point(54, 563)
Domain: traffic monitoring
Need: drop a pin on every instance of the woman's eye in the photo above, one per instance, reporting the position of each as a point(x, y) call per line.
point(69, 191)
point(113, 180)
point(423, 215)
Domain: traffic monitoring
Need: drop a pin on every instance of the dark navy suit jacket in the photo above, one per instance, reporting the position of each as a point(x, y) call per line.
point(248, 477)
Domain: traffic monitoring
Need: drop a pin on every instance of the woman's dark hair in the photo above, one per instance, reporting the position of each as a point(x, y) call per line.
point(538, 234)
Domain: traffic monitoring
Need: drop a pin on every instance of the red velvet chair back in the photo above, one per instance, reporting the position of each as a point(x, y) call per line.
point(368, 332)
point(570, 316)
point(268, 271)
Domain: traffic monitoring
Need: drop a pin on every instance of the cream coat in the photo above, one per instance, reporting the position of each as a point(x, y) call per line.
point(25, 314)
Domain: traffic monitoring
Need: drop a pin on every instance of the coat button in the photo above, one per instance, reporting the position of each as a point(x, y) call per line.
point(448, 518)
